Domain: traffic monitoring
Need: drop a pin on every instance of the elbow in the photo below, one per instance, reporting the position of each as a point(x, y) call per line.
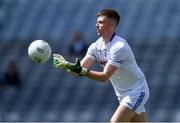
point(104, 79)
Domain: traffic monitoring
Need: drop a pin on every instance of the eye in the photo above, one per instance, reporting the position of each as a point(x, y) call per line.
point(101, 22)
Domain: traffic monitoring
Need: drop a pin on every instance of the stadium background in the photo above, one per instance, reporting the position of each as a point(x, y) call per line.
point(150, 26)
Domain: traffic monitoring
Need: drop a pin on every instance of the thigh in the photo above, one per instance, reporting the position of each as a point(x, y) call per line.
point(122, 114)
point(140, 117)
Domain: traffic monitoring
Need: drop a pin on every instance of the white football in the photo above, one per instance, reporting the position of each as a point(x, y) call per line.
point(39, 51)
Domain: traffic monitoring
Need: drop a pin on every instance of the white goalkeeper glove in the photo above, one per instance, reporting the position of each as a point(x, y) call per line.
point(60, 62)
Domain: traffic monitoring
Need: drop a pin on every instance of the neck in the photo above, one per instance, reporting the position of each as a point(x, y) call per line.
point(108, 37)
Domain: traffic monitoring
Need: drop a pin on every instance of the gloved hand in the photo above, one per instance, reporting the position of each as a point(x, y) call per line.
point(60, 62)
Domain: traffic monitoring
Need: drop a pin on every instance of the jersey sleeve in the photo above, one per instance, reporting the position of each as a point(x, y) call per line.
point(118, 55)
point(91, 51)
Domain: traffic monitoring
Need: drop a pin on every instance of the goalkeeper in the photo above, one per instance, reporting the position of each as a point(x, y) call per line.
point(116, 57)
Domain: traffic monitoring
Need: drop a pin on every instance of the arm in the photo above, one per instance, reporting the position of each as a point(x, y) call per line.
point(102, 76)
point(87, 61)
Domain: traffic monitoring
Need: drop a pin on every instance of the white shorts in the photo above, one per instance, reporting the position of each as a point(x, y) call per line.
point(135, 99)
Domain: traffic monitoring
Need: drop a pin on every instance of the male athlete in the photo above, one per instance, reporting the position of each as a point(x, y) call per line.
point(116, 57)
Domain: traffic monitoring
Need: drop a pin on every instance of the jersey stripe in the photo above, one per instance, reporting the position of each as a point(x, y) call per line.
point(121, 61)
point(139, 101)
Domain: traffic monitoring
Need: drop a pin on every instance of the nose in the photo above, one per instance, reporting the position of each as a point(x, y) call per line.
point(96, 25)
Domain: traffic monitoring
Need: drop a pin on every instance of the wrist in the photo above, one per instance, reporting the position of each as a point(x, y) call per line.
point(84, 71)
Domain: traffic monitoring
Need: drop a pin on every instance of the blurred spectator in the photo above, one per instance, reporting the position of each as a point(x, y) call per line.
point(11, 75)
point(77, 46)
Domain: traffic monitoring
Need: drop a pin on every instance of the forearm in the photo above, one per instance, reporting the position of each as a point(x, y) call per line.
point(99, 76)
point(102, 76)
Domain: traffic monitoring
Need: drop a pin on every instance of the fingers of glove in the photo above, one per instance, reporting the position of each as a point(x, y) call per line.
point(58, 63)
point(57, 56)
point(55, 62)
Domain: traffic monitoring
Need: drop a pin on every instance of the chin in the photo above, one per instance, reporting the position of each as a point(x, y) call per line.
point(99, 34)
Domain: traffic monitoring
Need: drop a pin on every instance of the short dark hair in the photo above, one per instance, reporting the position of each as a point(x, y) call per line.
point(110, 13)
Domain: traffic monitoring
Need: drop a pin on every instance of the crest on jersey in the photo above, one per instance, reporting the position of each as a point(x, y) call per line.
point(103, 56)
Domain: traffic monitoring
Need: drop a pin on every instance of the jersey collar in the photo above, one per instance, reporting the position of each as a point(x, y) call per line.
point(112, 37)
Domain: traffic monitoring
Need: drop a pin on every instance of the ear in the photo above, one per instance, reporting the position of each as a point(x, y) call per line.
point(113, 24)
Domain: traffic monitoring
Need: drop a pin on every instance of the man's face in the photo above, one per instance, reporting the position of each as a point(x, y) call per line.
point(103, 25)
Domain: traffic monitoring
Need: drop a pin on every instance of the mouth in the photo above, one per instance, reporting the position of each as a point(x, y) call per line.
point(98, 30)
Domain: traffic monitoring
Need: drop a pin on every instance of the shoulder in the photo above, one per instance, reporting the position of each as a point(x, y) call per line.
point(96, 43)
point(117, 37)
point(99, 41)
point(119, 43)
